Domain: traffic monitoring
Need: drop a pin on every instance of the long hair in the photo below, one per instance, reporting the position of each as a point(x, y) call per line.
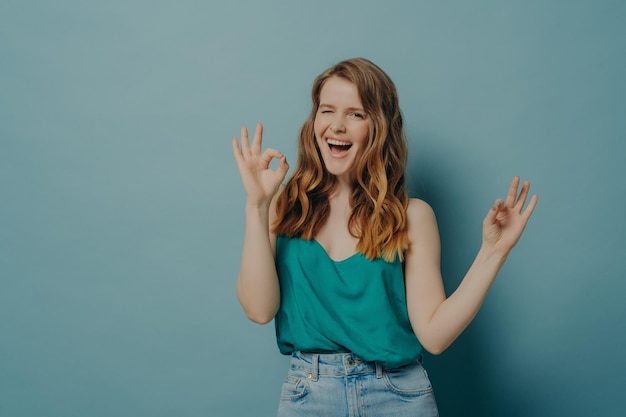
point(379, 200)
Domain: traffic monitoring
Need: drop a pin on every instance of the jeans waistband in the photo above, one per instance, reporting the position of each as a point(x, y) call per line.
point(333, 364)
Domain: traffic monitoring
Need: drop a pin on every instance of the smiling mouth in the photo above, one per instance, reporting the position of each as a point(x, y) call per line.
point(338, 146)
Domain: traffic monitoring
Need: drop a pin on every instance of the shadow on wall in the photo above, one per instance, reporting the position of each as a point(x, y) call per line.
point(436, 175)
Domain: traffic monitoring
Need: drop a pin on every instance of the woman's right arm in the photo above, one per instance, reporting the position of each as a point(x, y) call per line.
point(257, 285)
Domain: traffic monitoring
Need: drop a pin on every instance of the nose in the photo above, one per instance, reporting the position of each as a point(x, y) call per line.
point(337, 125)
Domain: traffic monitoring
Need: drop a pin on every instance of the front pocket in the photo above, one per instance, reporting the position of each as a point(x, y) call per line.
point(410, 380)
point(293, 388)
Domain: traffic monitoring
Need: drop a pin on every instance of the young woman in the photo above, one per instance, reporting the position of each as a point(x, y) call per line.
point(346, 264)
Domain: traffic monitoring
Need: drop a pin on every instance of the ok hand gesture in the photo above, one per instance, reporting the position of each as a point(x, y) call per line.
point(259, 181)
point(505, 222)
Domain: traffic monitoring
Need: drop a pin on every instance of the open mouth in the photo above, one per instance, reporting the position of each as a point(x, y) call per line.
point(338, 147)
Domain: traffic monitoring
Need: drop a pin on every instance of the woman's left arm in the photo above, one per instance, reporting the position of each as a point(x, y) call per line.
point(437, 321)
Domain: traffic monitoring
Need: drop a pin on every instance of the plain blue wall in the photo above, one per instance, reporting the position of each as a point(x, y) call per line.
point(121, 208)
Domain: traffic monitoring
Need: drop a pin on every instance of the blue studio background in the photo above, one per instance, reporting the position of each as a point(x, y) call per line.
point(121, 208)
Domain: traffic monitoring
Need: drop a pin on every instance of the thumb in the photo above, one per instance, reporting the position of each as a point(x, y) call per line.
point(490, 218)
point(283, 166)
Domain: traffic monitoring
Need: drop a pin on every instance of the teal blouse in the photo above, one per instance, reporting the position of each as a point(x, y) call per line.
point(354, 305)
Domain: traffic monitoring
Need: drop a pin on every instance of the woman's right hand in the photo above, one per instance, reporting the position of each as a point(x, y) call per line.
point(259, 181)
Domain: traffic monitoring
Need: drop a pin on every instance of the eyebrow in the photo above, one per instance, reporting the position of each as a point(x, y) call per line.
point(330, 106)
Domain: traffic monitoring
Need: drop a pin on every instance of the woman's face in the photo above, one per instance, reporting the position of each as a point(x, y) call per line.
point(341, 127)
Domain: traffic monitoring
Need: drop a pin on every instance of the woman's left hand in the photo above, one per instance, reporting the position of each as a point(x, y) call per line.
point(505, 222)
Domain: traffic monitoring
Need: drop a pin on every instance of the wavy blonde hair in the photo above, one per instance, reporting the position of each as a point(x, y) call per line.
point(379, 200)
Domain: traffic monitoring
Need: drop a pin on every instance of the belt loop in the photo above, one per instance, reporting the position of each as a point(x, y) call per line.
point(379, 370)
point(316, 366)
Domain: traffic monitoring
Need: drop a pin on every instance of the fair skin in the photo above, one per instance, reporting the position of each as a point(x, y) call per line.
point(437, 320)
point(341, 128)
point(340, 120)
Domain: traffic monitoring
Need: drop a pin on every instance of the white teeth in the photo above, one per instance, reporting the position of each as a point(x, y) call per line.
point(337, 142)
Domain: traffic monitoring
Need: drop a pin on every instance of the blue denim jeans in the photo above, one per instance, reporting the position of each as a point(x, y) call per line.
point(338, 385)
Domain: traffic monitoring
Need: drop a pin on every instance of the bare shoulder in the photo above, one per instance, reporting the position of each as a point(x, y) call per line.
point(419, 212)
point(422, 224)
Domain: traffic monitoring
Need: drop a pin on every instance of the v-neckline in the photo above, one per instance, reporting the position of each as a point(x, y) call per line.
point(329, 257)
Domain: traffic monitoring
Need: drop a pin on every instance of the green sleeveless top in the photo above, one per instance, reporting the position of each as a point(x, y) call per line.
point(355, 305)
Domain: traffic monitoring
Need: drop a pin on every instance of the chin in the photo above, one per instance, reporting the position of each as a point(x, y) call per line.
point(339, 171)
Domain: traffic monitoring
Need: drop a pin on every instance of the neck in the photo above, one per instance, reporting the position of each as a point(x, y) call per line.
point(342, 190)
point(344, 184)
